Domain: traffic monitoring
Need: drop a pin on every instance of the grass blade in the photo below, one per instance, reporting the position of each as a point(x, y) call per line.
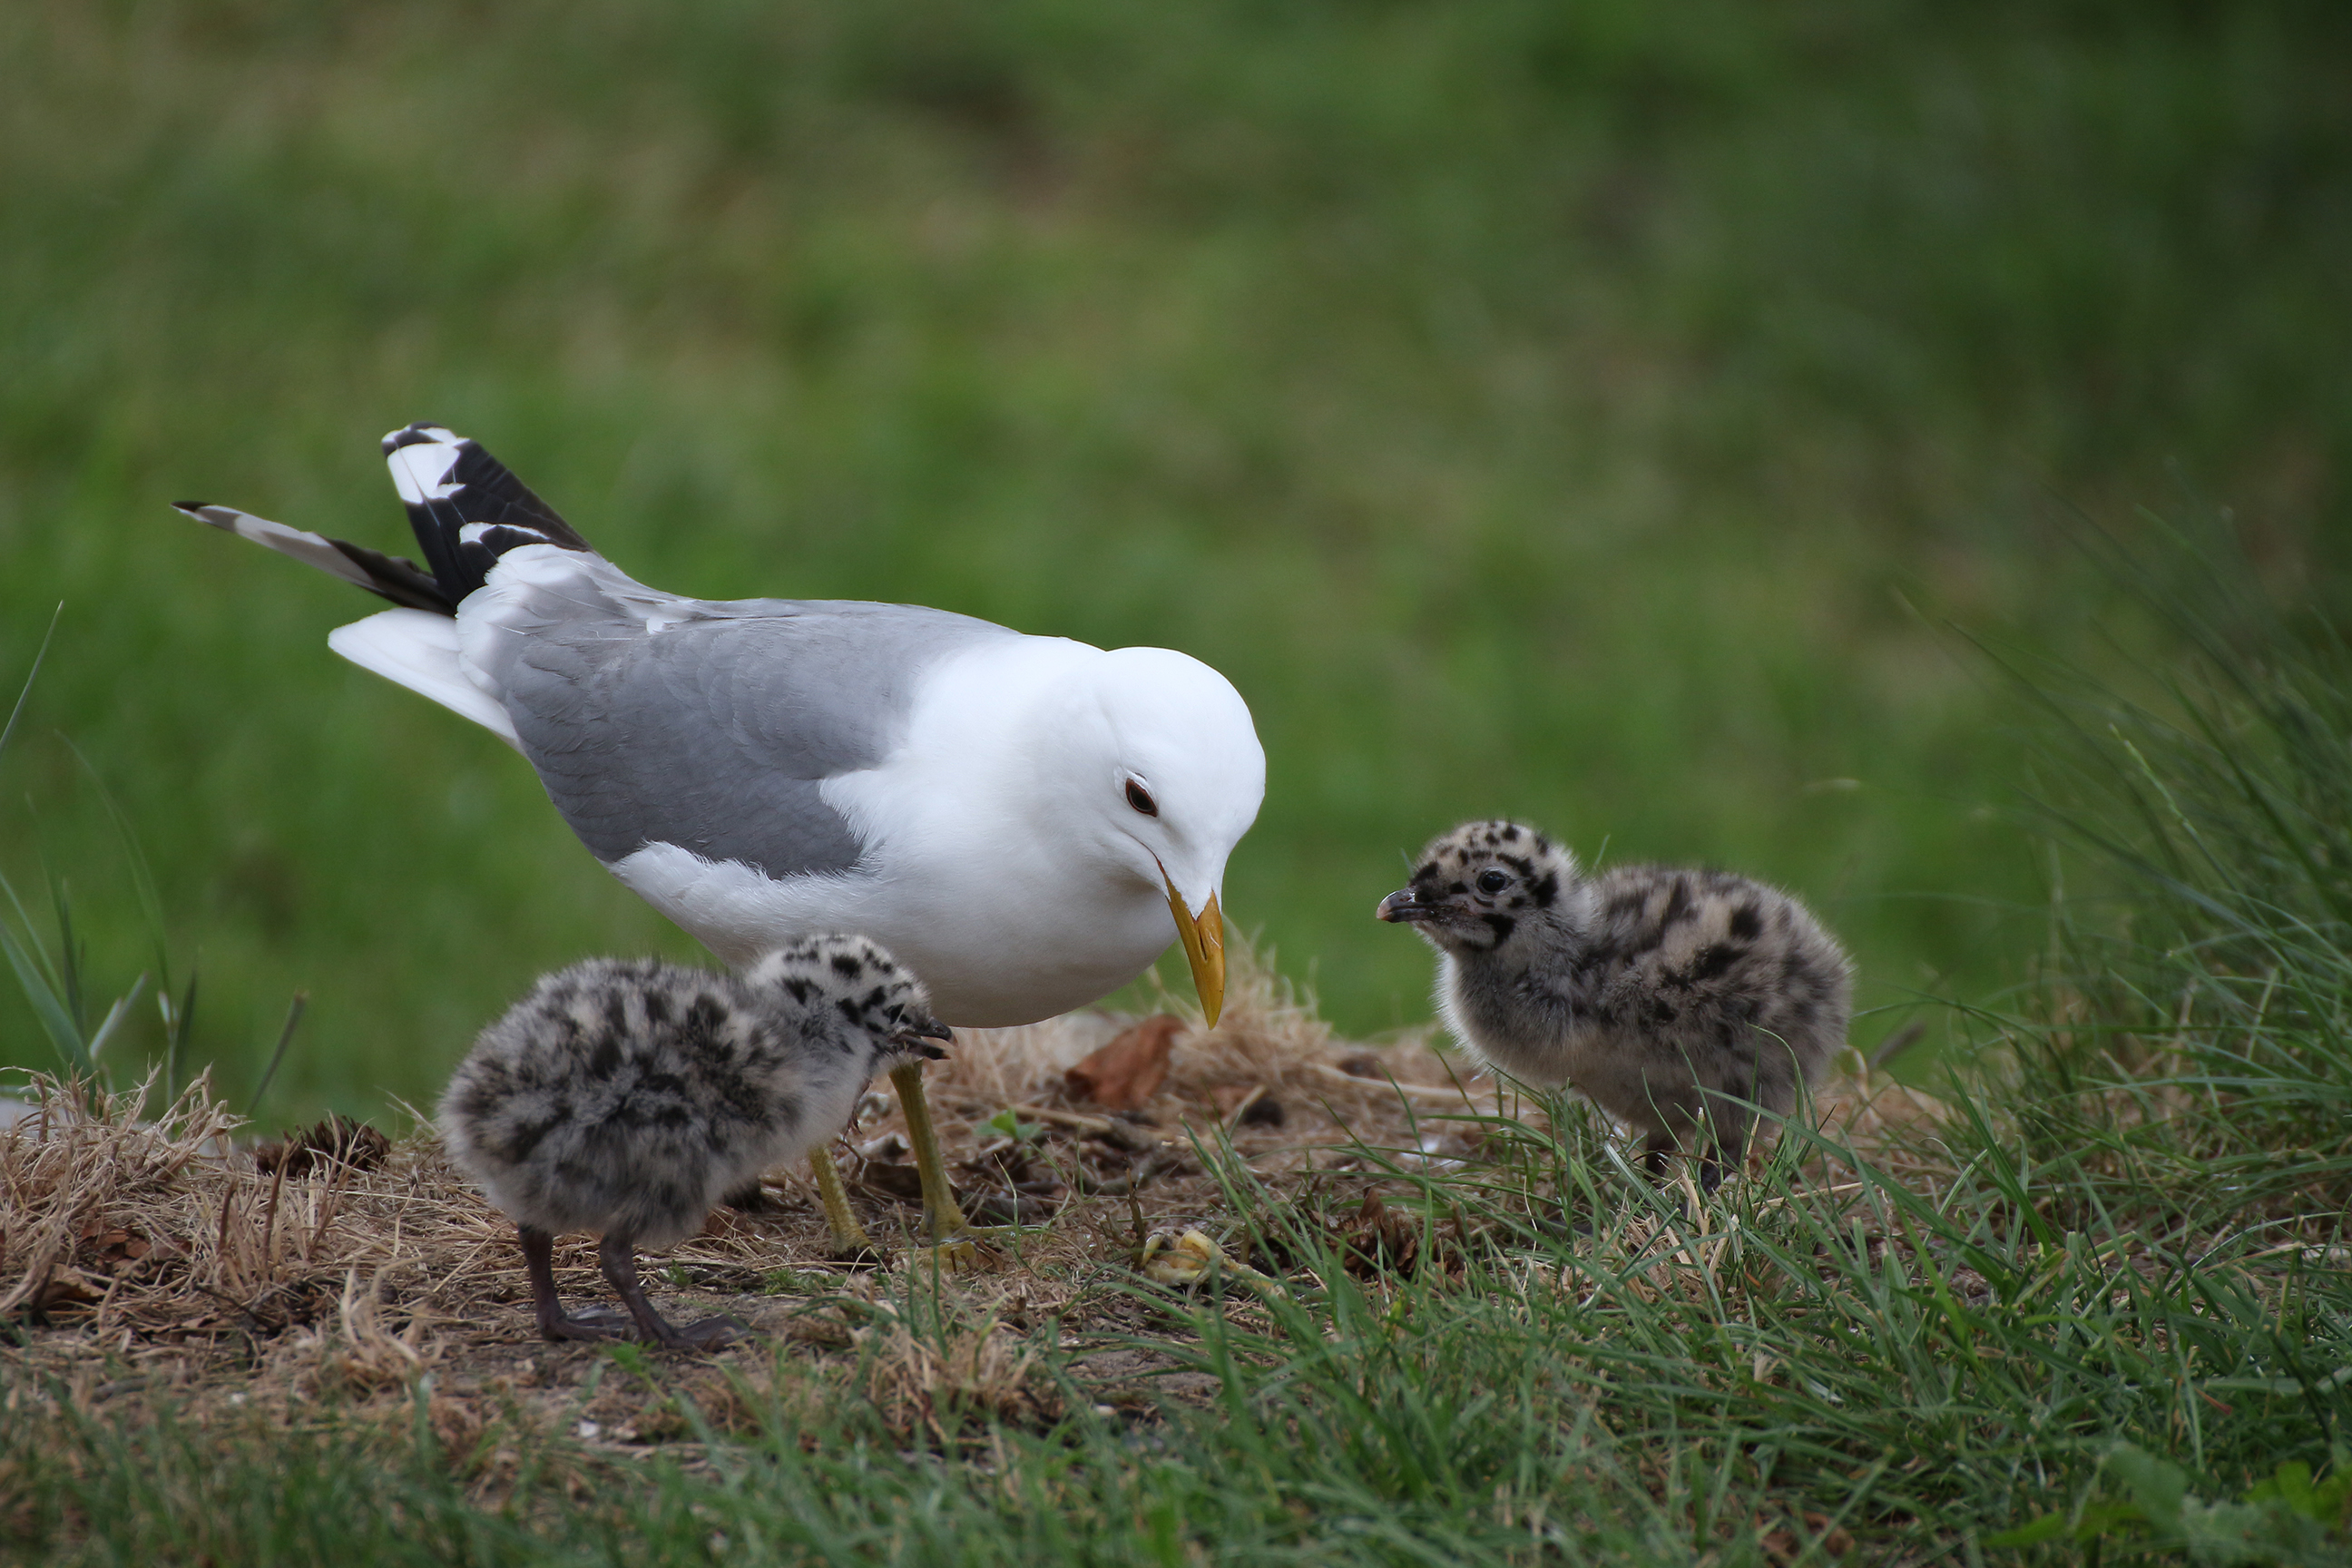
point(284, 1039)
point(115, 1014)
point(50, 979)
point(25, 695)
point(55, 1021)
point(177, 1022)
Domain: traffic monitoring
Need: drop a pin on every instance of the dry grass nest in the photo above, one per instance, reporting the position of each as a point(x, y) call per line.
point(149, 1252)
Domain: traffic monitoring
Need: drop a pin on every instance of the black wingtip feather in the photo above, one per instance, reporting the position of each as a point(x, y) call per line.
point(482, 490)
point(397, 578)
point(418, 434)
point(403, 582)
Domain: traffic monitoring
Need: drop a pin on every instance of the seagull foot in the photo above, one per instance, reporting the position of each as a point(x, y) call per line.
point(967, 1246)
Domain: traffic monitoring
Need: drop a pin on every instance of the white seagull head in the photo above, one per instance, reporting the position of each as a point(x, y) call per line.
point(1167, 777)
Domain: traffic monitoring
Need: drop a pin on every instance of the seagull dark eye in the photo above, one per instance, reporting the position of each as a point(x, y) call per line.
point(1493, 881)
point(1140, 798)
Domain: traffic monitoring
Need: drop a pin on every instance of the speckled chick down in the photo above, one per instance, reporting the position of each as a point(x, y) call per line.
point(1655, 992)
point(629, 1096)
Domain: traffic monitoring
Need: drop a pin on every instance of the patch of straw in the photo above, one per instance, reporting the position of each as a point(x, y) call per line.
point(358, 1352)
point(934, 1378)
point(84, 1168)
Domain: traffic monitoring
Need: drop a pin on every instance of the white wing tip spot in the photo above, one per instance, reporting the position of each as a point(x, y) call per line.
point(472, 532)
point(422, 471)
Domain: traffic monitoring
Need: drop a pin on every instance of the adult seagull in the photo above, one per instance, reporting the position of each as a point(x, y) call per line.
point(1019, 818)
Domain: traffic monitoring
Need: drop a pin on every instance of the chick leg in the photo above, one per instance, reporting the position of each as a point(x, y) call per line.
point(1722, 1144)
point(554, 1323)
point(849, 1238)
point(619, 1256)
point(940, 1211)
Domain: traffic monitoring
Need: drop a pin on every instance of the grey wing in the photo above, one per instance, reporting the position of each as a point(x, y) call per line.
point(712, 726)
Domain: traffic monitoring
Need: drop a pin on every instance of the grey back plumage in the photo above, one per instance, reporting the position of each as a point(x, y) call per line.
point(627, 1097)
point(715, 731)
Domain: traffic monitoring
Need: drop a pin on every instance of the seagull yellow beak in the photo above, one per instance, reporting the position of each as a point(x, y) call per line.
point(1205, 947)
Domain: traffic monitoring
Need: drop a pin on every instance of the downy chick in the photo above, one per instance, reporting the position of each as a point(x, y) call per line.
point(628, 1098)
point(1669, 998)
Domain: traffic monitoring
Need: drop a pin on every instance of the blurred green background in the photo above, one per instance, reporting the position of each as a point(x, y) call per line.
point(1584, 410)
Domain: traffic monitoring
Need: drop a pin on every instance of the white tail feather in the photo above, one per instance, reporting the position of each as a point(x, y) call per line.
point(418, 650)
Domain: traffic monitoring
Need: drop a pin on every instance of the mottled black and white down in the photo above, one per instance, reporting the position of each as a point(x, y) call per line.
point(628, 1098)
point(1667, 997)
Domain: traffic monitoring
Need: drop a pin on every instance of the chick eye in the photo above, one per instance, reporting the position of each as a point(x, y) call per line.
point(1492, 881)
point(1140, 798)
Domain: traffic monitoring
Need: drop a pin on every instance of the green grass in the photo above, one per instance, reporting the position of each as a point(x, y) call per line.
point(2196, 1041)
point(1476, 1420)
point(1472, 1414)
point(1538, 409)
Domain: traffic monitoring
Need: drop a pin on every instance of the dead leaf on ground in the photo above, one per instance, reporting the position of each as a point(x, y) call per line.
point(53, 1293)
point(1126, 1073)
point(101, 1243)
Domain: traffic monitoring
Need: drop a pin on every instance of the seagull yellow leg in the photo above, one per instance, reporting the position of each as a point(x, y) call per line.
point(848, 1235)
point(940, 1211)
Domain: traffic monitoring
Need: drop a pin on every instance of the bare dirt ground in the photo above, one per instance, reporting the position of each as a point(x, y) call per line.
point(172, 1258)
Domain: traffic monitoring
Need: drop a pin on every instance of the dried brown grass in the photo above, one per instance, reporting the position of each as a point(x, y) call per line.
point(934, 1378)
point(96, 1199)
point(154, 1254)
point(356, 1350)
